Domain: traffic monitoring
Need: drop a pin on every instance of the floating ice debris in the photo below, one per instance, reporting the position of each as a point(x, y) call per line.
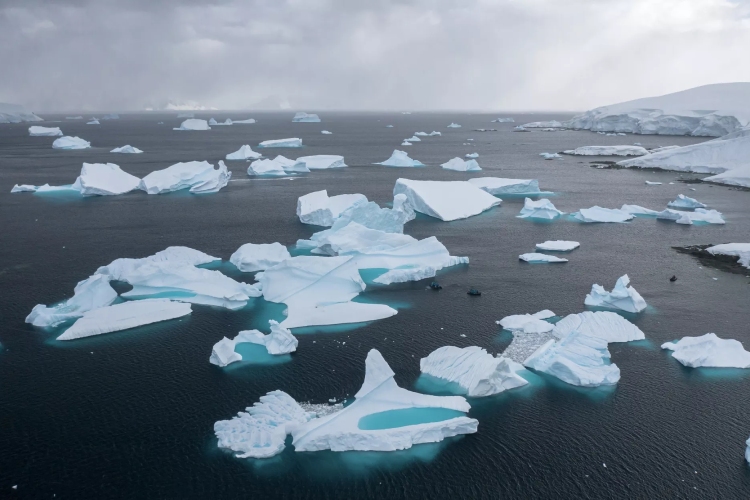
point(252, 257)
point(550, 156)
point(321, 162)
point(547, 124)
point(445, 200)
point(321, 210)
point(297, 166)
point(93, 122)
point(105, 179)
point(127, 149)
point(244, 153)
point(503, 120)
point(709, 351)
point(461, 165)
point(541, 209)
point(123, 316)
point(243, 122)
point(557, 246)
point(683, 201)
point(651, 183)
point(406, 143)
point(212, 122)
point(528, 323)
point(68, 142)
point(476, 371)
point(266, 167)
point(700, 215)
point(747, 451)
point(198, 176)
point(223, 353)
point(622, 297)
point(538, 258)
point(739, 250)
point(292, 142)
point(36, 131)
point(193, 124)
point(326, 132)
point(352, 237)
point(599, 214)
point(608, 151)
point(303, 117)
point(500, 186)
point(91, 293)
point(279, 341)
point(472, 155)
point(454, 125)
point(519, 128)
point(413, 138)
point(400, 159)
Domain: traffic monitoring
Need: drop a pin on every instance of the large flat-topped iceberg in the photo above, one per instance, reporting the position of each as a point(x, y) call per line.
point(445, 200)
point(279, 341)
point(292, 142)
point(127, 149)
point(36, 131)
point(454, 125)
point(105, 179)
point(244, 153)
point(252, 257)
point(557, 246)
point(540, 258)
point(599, 214)
point(321, 210)
point(124, 316)
point(15, 113)
point(542, 209)
point(683, 201)
point(400, 159)
point(739, 250)
point(91, 293)
point(709, 351)
point(461, 165)
point(198, 176)
point(699, 216)
point(608, 151)
point(604, 325)
point(710, 110)
point(622, 297)
point(193, 124)
point(476, 371)
point(321, 162)
point(499, 186)
point(358, 426)
point(68, 142)
point(303, 117)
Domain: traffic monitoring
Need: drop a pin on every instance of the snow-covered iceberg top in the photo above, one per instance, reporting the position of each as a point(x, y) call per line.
point(699, 216)
point(739, 250)
point(709, 351)
point(68, 142)
point(550, 156)
point(557, 246)
point(127, 149)
point(252, 257)
point(303, 117)
point(683, 201)
point(279, 341)
point(445, 200)
point(36, 131)
point(454, 125)
point(547, 124)
point(540, 258)
point(89, 294)
point(622, 297)
point(500, 186)
point(608, 151)
point(124, 316)
point(212, 122)
point(266, 167)
point(198, 176)
point(604, 325)
point(292, 142)
point(476, 371)
point(461, 165)
point(321, 210)
point(528, 323)
point(321, 162)
point(15, 113)
point(400, 159)
point(193, 124)
point(599, 214)
point(244, 153)
point(247, 121)
point(542, 209)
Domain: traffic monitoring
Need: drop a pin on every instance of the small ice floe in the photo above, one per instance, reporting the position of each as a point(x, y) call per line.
point(622, 297)
point(406, 143)
point(197, 176)
point(36, 131)
point(434, 133)
point(540, 258)
point(93, 121)
point(24, 188)
point(461, 165)
point(557, 246)
point(499, 186)
point(244, 153)
point(319, 209)
point(69, 142)
point(302, 117)
point(747, 451)
point(608, 151)
point(193, 124)
point(528, 323)
point(96, 179)
point(389, 126)
point(74, 118)
point(683, 201)
point(252, 257)
point(472, 155)
point(541, 209)
point(445, 200)
point(292, 142)
point(709, 351)
point(127, 149)
point(266, 167)
point(700, 216)
point(279, 341)
point(548, 124)
point(639, 211)
point(326, 132)
point(244, 122)
point(739, 250)
point(599, 214)
point(322, 162)
point(413, 138)
point(400, 159)
point(651, 183)
point(475, 370)
point(550, 156)
point(503, 120)
point(454, 125)
point(519, 128)
point(212, 122)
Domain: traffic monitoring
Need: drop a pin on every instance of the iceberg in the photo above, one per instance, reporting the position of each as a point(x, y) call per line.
point(528, 323)
point(683, 201)
point(24, 188)
point(445, 200)
point(650, 183)
point(420, 134)
point(123, 316)
point(127, 149)
point(709, 351)
point(476, 371)
point(599, 214)
point(503, 120)
point(353, 238)
point(540, 258)
point(326, 132)
point(472, 155)
point(639, 211)
point(434, 133)
point(15, 113)
point(557, 246)
point(292, 142)
point(400, 159)
point(608, 151)
point(241, 122)
point(319, 209)
point(119, 268)
point(89, 294)
point(68, 142)
point(550, 156)
point(105, 179)
point(266, 167)
point(700, 215)
point(303, 117)
point(321, 162)
point(279, 341)
point(198, 176)
point(74, 117)
point(547, 124)
point(213, 122)
point(500, 186)
point(413, 138)
point(111, 116)
point(739, 250)
point(93, 122)
point(542, 209)
point(406, 143)
point(193, 124)
point(604, 325)
point(244, 153)
point(292, 166)
point(622, 297)
point(252, 257)
point(36, 131)
point(454, 125)
point(461, 166)
point(519, 128)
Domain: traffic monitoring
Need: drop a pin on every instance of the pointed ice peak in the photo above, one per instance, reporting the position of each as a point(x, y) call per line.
point(377, 371)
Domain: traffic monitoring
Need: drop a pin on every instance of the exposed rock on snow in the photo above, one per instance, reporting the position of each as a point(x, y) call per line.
point(445, 200)
point(539, 258)
point(303, 117)
point(68, 142)
point(37, 131)
point(244, 153)
point(599, 214)
point(739, 250)
point(709, 351)
point(321, 210)
point(252, 257)
point(608, 151)
point(193, 124)
point(461, 166)
point(127, 149)
point(292, 142)
point(198, 176)
point(557, 246)
point(15, 113)
point(499, 186)
point(622, 297)
point(279, 341)
point(542, 209)
point(91, 293)
point(683, 201)
point(321, 162)
point(400, 159)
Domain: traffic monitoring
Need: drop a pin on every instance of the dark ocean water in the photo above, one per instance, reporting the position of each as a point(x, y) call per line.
point(131, 414)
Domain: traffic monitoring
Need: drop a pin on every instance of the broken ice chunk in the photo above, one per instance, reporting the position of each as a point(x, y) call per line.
point(68, 142)
point(36, 131)
point(302, 117)
point(541, 209)
point(622, 297)
point(461, 166)
point(244, 153)
point(320, 162)
point(558, 246)
point(252, 257)
point(683, 201)
point(91, 293)
point(292, 142)
point(400, 159)
point(709, 351)
point(198, 176)
point(599, 214)
point(127, 149)
point(445, 200)
point(193, 124)
point(321, 210)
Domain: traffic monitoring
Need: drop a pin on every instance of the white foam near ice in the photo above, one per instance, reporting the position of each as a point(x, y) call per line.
point(541, 209)
point(400, 159)
point(197, 176)
point(36, 131)
point(622, 297)
point(319, 209)
point(461, 165)
point(193, 124)
point(127, 149)
point(252, 257)
point(445, 200)
point(244, 153)
point(68, 142)
point(709, 351)
point(557, 246)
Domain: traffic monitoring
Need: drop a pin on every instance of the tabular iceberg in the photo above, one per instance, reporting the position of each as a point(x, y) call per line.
point(700, 216)
point(461, 166)
point(500, 186)
point(279, 341)
point(476, 371)
point(739, 250)
point(127, 149)
point(650, 183)
point(36, 131)
point(105, 179)
point(454, 125)
point(445, 200)
point(292, 166)
point(68, 142)
point(91, 293)
point(292, 142)
point(558, 246)
point(400, 159)
point(599, 214)
point(683, 201)
point(321, 210)
point(212, 122)
point(198, 176)
point(124, 316)
point(709, 351)
point(542, 209)
point(320, 162)
point(604, 325)
point(622, 297)
point(540, 258)
point(550, 156)
point(244, 153)
point(252, 257)
point(193, 124)
point(608, 151)
point(303, 117)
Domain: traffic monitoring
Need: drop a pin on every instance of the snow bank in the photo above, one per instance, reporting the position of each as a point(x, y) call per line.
point(557, 246)
point(739, 250)
point(127, 149)
point(400, 159)
point(683, 201)
point(198, 176)
point(252, 257)
point(500, 186)
point(540, 258)
point(319, 209)
point(68, 142)
point(292, 142)
point(622, 297)
point(37, 131)
point(709, 351)
point(608, 151)
point(542, 209)
point(303, 117)
point(321, 162)
point(599, 214)
point(89, 294)
point(193, 124)
point(460, 165)
point(445, 200)
point(244, 153)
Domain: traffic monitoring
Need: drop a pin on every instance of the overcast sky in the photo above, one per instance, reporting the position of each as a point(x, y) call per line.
point(366, 54)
